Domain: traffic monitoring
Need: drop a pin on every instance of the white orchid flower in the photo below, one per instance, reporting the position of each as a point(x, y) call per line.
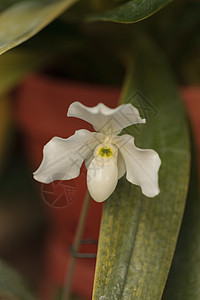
point(107, 156)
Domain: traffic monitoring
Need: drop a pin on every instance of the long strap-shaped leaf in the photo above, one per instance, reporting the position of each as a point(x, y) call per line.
point(24, 19)
point(131, 11)
point(138, 234)
point(184, 277)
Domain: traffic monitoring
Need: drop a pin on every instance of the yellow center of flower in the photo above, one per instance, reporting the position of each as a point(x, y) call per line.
point(105, 152)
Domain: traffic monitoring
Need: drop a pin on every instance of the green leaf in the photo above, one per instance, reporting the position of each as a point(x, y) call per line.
point(12, 286)
point(130, 12)
point(17, 63)
point(24, 19)
point(138, 234)
point(184, 277)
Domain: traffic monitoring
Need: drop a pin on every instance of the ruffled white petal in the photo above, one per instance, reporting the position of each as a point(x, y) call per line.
point(102, 178)
point(121, 165)
point(62, 158)
point(142, 165)
point(105, 119)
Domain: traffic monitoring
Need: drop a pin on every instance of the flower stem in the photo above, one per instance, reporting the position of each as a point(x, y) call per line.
point(76, 244)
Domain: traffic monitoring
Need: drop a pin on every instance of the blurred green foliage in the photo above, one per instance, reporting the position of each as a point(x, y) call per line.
point(12, 286)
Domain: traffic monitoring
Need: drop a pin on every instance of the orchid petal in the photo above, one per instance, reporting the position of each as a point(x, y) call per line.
point(102, 178)
point(88, 160)
point(121, 165)
point(105, 119)
point(62, 158)
point(142, 165)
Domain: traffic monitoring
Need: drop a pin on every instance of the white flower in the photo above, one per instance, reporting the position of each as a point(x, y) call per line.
point(107, 156)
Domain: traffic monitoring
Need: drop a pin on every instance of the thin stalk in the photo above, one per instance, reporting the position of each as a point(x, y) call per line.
point(76, 244)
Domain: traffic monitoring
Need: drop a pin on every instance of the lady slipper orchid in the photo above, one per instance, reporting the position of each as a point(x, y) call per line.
point(107, 155)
